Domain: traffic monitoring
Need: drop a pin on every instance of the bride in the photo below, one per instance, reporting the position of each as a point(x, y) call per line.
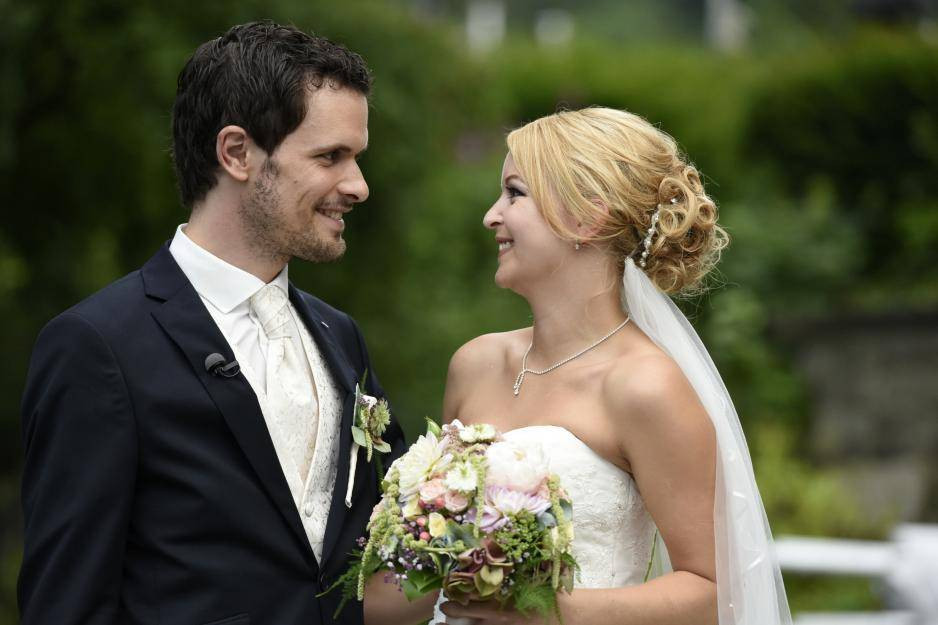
point(599, 217)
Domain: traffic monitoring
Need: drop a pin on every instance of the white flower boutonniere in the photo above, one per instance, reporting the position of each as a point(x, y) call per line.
point(370, 420)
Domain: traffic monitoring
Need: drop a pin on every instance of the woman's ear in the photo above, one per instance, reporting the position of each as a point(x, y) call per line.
point(588, 232)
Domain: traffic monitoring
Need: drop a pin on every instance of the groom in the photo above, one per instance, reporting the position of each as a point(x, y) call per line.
point(187, 429)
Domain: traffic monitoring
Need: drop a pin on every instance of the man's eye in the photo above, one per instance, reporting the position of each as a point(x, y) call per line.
point(330, 156)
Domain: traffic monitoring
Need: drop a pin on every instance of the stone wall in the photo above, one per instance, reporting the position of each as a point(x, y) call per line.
point(874, 397)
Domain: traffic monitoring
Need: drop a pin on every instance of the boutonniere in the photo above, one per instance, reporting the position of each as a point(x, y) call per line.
point(369, 422)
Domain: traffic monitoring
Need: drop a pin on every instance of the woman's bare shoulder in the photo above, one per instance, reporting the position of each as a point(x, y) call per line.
point(648, 376)
point(482, 357)
point(648, 391)
point(485, 352)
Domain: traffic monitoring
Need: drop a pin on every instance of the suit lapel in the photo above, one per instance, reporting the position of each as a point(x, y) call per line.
point(345, 374)
point(184, 318)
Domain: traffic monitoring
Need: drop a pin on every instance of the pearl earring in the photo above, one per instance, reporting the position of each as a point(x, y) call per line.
point(576, 245)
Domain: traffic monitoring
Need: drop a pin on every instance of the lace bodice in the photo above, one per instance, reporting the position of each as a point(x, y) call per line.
point(613, 532)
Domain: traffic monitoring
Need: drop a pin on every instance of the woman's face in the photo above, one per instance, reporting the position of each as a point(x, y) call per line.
point(528, 250)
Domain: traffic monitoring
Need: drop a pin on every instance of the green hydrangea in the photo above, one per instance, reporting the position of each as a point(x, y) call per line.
point(380, 417)
point(522, 536)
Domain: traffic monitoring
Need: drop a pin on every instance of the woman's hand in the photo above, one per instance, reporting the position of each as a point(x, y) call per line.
point(385, 604)
point(490, 613)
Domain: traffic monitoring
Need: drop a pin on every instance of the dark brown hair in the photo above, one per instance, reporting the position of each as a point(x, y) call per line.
point(256, 76)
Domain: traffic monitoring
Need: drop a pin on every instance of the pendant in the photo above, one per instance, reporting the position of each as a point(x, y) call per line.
point(518, 382)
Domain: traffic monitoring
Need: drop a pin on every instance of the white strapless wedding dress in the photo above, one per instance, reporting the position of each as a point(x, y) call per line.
point(613, 532)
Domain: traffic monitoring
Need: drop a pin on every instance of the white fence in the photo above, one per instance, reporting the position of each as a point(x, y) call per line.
point(906, 566)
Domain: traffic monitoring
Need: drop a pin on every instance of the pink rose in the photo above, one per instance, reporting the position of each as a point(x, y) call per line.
point(431, 490)
point(455, 501)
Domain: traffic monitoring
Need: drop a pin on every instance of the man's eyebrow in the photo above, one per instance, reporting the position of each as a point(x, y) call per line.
point(336, 147)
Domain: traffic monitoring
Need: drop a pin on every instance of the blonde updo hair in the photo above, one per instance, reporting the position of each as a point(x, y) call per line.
point(609, 170)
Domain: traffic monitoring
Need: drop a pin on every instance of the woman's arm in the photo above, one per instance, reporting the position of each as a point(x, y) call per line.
point(385, 604)
point(670, 444)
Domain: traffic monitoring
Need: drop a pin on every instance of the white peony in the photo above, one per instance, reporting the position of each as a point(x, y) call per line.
point(516, 465)
point(424, 459)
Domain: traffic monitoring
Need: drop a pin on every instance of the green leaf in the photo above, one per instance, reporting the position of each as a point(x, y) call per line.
point(359, 435)
point(419, 583)
point(536, 598)
point(447, 567)
point(425, 580)
point(358, 401)
point(567, 508)
point(382, 446)
point(463, 533)
point(410, 590)
point(433, 427)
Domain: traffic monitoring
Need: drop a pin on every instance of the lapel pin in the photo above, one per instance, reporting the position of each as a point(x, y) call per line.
point(324, 323)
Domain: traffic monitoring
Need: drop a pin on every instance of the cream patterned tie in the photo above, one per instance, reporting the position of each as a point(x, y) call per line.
point(290, 391)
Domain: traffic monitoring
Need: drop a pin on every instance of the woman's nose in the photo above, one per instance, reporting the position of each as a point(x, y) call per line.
point(493, 217)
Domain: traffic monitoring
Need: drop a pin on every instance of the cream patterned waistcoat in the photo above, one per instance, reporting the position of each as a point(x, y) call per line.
point(312, 495)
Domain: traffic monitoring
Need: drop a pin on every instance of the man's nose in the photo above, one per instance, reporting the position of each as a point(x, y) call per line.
point(354, 186)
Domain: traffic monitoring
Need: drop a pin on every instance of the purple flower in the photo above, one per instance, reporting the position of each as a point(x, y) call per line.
point(508, 501)
point(492, 519)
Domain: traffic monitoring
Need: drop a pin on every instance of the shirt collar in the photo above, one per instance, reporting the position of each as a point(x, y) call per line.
point(221, 283)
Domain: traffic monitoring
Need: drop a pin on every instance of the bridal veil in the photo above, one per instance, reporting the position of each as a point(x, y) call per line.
point(749, 583)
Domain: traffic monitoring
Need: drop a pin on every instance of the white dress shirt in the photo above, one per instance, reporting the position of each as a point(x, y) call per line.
point(226, 291)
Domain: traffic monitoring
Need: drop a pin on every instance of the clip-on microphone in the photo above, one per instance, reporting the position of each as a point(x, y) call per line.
point(216, 365)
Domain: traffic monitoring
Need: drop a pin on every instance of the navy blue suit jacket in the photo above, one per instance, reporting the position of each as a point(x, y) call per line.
point(152, 493)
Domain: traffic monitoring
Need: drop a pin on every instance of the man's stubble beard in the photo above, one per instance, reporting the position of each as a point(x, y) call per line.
point(270, 234)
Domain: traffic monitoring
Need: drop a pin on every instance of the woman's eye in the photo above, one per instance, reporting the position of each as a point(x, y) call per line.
point(513, 192)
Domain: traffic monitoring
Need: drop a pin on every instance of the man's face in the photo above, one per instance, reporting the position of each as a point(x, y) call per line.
point(294, 205)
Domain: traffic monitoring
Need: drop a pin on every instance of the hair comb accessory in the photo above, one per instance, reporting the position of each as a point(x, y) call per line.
point(652, 230)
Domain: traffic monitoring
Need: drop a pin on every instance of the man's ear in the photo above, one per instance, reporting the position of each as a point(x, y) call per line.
point(232, 146)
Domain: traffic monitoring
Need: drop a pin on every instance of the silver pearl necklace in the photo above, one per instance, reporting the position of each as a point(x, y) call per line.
point(524, 359)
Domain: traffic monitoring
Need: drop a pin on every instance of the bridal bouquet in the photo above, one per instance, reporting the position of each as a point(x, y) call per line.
point(476, 515)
